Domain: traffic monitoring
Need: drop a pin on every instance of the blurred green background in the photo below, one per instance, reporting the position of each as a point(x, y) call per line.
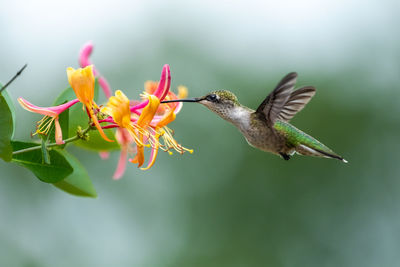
point(228, 204)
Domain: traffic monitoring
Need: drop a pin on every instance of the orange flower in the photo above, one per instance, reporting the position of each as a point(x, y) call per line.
point(151, 86)
point(146, 122)
point(118, 108)
point(82, 82)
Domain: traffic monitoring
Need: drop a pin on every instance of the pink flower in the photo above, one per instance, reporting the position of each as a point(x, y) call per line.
point(50, 114)
point(84, 61)
point(140, 122)
point(126, 142)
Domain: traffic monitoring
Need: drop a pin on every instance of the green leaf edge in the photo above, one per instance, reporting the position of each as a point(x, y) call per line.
point(78, 175)
point(26, 163)
point(9, 115)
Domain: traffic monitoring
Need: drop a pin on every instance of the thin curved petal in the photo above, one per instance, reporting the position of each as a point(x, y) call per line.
point(47, 111)
point(148, 111)
point(168, 118)
point(139, 106)
point(182, 93)
point(164, 84)
point(119, 172)
point(84, 55)
point(139, 158)
point(162, 89)
point(58, 133)
point(84, 61)
point(152, 160)
point(153, 153)
point(32, 108)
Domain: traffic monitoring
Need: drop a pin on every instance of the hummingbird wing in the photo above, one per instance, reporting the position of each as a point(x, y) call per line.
point(297, 101)
point(273, 104)
point(283, 103)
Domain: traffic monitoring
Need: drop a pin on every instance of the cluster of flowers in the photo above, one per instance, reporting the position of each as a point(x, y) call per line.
point(138, 124)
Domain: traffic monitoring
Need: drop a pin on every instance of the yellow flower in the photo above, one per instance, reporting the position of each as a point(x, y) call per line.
point(118, 108)
point(143, 127)
point(82, 82)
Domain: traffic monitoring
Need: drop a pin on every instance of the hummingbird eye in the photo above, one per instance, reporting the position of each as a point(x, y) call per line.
point(212, 97)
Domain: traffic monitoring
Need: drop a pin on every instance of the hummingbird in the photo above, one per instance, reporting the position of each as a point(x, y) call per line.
point(267, 128)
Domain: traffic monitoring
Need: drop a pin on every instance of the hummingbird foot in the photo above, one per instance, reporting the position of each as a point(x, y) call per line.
point(284, 156)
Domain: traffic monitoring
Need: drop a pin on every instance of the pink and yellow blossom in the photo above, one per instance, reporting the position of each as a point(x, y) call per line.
point(84, 61)
point(146, 121)
point(50, 114)
point(82, 82)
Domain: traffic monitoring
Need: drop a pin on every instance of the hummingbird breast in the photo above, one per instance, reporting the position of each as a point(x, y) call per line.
point(257, 132)
point(263, 137)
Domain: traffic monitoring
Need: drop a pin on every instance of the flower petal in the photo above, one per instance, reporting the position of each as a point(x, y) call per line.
point(58, 133)
point(47, 111)
point(153, 153)
point(84, 61)
point(118, 108)
point(82, 82)
point(139, 158)
point(150, 87)
point(168, 118)
point(162, 89)
point(148, 111)
point(32, 108)
point(119, 172)
point(182, 91)
point(164, 84)
point(85, 54)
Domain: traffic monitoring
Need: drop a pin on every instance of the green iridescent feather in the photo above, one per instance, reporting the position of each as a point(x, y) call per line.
point(297, 137)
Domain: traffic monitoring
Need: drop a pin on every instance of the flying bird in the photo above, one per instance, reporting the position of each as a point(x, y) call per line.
point(268, 128)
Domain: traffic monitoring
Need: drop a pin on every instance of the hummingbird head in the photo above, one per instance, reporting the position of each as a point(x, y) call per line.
point(220, 99)
point(221, 102)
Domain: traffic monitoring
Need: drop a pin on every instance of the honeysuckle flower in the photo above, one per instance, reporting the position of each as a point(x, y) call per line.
point(82, 82)
point(143, 122)
point(161, 91)
point(51, 115)
point(118, 108)
point(140, 121)
point(151, 86)
point(84, 61)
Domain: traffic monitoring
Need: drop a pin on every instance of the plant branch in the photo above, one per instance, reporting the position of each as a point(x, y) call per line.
point(66, 141)
point(13, 78)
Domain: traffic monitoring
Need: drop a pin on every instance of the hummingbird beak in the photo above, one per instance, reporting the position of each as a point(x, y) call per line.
point(193, 100)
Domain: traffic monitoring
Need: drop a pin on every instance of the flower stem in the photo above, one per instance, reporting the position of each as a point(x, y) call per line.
point(66, 141)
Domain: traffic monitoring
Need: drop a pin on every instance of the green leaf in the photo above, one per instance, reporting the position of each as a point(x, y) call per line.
point(32, 160)
point(7, 115)
point(79, 117)
point(78, 183)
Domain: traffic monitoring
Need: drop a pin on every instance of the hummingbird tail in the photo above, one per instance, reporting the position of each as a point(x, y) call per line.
point(308, 151)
